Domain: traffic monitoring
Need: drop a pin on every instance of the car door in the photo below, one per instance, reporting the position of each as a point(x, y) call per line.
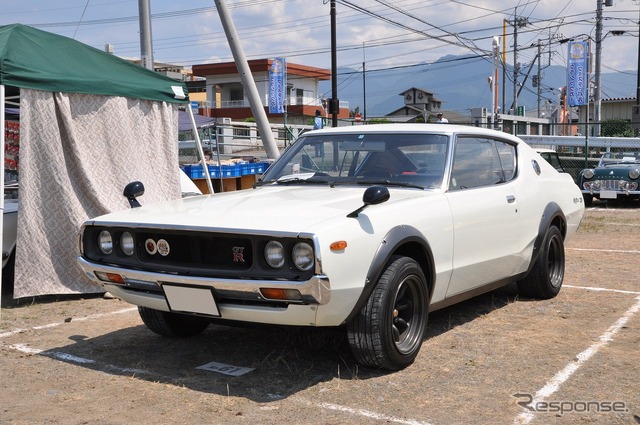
point(484, 206)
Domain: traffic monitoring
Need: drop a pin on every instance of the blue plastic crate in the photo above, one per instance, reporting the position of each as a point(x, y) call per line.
point(253, 168)
point(193, 171)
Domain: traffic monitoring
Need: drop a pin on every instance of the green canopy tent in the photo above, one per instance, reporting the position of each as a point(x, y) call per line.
point(39, 60)
point(90, 122)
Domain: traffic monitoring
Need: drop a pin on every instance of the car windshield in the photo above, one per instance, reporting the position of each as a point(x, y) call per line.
point(619, 158)
point(406, 160)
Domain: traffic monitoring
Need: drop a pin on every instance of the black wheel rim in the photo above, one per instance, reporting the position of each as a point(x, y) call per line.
point(555, 261)
point(407, 325)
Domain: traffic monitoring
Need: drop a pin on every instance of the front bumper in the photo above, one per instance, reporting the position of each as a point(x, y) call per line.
point(238, 299)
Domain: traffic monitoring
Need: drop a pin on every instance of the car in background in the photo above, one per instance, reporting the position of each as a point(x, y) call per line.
point(616, 177)
point(552, 158)
point(386, 224)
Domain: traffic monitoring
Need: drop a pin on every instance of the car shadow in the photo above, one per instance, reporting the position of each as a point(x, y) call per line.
point(285, 360)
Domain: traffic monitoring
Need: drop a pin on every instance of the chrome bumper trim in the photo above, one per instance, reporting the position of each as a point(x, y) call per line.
point(316, 290)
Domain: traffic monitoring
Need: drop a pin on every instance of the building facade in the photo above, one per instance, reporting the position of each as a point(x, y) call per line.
point(226, 96)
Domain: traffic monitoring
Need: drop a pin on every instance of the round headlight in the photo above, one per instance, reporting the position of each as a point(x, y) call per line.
point(634, 174)
point(274, 254)
point(127, 244)
point(105, 242)
point(588, 173)
point(303, 256)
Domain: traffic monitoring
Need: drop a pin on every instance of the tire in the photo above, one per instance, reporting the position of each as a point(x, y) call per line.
point(389, 330)
point(545, 278)
point(588, 200)
point(172, 324)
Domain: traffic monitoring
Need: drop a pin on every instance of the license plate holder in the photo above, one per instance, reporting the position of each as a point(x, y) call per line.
point(189, 299)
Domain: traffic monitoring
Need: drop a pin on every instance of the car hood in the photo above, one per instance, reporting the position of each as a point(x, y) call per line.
point(281, 208)
point(615, 170)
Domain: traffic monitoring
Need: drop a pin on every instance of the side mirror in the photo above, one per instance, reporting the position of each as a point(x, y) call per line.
point(374, 195)
point(132, 191)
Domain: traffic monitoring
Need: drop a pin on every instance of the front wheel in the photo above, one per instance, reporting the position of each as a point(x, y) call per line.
point(172, 324)
point(388, 331)
point(545, 278)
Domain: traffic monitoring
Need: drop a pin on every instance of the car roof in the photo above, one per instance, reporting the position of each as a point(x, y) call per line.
point(449, 129)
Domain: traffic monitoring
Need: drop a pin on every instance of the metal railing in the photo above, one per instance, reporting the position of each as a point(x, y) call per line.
point(230, 139)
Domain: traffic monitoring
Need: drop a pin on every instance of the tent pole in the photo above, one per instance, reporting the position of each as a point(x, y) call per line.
point(200, 151)
point(2, 141)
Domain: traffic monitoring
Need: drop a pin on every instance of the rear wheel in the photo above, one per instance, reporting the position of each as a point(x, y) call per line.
point(545, 278)
point(388, 331)
point(172, 324)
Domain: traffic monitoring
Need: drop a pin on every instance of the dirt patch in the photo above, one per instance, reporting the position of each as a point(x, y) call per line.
point(89, 360)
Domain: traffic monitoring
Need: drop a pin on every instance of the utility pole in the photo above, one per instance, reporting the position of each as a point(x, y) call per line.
point(539, 78)
point(516, 23)
point(364, 86)
point(146, 44)
point(597, 102)
point(597, 92)
point(494, 86)
point(249, 84)
point(504, 64)
point(334, 107)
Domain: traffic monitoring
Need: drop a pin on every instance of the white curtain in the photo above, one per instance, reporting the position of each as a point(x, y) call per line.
point(77, 153)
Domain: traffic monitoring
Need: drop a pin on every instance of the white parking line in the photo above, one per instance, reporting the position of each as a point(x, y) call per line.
point(617, 251)
point(361, 412)
point(592, 288)
point(561, 377)
point(77, 319)
point(70, 358)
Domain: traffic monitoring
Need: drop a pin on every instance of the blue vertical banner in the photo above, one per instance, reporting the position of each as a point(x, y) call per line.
point(277, 85)
point(578, 73)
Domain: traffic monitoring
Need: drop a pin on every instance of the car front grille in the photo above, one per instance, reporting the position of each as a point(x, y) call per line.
point(194, 253)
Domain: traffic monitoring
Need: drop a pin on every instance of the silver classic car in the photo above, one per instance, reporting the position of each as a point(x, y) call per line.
point(379, 226)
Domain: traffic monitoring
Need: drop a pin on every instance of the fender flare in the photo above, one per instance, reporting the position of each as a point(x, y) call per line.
point(395, 238)
point(551, 212)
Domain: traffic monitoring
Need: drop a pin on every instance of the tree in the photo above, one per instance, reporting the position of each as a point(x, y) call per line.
point(616, 127)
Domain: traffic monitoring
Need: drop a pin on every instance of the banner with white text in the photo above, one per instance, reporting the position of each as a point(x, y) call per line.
point(277, 85)
point(578, 73)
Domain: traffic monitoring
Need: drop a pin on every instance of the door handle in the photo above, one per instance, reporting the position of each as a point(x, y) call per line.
point(511, 199)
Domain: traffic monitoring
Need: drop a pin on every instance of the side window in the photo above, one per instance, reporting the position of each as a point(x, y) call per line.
point(507, 156)
point(479, 162)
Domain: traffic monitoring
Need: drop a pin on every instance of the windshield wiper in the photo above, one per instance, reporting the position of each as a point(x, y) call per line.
point(263, 182)
point(389, 183)
point(299, 180)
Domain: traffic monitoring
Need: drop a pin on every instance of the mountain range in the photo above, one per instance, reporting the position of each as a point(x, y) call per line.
point(461, 83)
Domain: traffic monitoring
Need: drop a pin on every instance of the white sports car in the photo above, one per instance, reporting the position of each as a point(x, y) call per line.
point(366, 227)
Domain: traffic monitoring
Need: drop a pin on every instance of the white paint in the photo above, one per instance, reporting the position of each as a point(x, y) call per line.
point(591, 288)
point(617, 251)
point(362, 412)
point(79, 319)
point(561, 377)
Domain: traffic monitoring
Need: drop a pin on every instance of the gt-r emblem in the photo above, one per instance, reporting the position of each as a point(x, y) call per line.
point(238, 254)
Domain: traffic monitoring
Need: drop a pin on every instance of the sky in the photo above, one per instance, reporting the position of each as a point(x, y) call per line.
point(381, 34)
